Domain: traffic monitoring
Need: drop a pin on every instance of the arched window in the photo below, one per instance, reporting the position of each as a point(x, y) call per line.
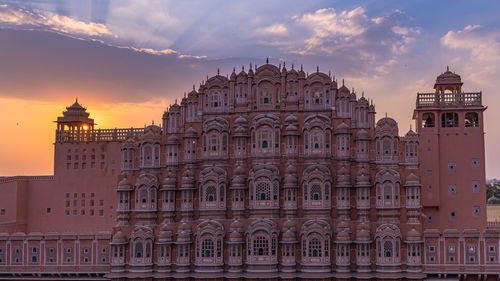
point(316, 192)
point(387, 249)
point(207, 248)
point(449, 119)
point(210, 193)
point(260, 246)
point(263, 191)
point(138, 250)
point(471, 119)
point(314, 247)
point(428, 120)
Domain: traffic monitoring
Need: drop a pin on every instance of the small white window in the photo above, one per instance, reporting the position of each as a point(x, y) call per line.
point(452, 190)
point(452, 167)
point(475, 186)
point(476, 211)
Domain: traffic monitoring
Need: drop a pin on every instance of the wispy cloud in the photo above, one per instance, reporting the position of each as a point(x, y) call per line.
point(55, 22)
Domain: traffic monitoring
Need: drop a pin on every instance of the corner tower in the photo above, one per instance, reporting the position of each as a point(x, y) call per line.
point(449, 123)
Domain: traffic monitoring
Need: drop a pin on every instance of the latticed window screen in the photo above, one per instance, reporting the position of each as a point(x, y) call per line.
point(263, 191)
point(316, 192)
point(210, 193)
point(260, 246)
point(388, 249)
point(207, 248)
point(314, 247)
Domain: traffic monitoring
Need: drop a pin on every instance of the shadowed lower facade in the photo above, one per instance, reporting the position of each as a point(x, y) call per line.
point(270, 174)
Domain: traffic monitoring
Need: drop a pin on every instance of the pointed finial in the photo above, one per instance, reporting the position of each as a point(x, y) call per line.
point(292, 65)
point(175, 101)
point(193, 87)
point(317, 68)
point(301, 68)
point(243, 67)
point(234, 69)
point(218, 71)
point(152, 122)
point(363, 93)
point(267, 60)
point(410, 126)
point(207, 78)
point(184, 94)
point(284, 63)
point(447, 68)
point(279, 66)
point(352, 89)
point(386, 114)
point(342, 81)
point(76, 99)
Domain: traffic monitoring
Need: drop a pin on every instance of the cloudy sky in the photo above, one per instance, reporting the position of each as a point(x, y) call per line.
point(127, 61)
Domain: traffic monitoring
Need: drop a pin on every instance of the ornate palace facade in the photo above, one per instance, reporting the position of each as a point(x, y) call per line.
point(269, 174)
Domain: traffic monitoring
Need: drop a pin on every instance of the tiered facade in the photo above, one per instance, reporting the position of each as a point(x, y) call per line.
point(273, 174)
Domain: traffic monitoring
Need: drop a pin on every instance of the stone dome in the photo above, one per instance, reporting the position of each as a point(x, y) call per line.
point(240, 120)
point(362, 232)
point(291, 128)
point(119, 238)
point(343, 128)
point(343, 235)
point(387, 121)
point(191, 132)
point(291, 119)
point(169, 180)
point(493, 200)
point(235, 236)
point(173, 139)
point(412, 179)
point(289, 224)
point(413, 235)
point(342, 225)
point(362, 135)
point(363, 178)
point(165, 234)
point(124, 184)
point(236, 225)
point(289, 235)
point(448, 78)
point(343, 177)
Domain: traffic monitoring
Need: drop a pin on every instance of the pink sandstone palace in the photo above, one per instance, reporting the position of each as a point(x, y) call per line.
point(266, 174)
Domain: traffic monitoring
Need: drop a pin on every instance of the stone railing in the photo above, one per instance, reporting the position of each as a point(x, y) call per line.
point(16, 178)
point(448, 99)
point(97, 135)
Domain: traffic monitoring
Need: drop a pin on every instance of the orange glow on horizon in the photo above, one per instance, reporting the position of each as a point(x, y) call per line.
point(27, 146)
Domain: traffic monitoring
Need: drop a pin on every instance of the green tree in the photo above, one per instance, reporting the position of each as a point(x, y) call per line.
point(493, 189)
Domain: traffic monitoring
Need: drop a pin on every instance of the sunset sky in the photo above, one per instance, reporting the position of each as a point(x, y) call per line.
point(126, 61)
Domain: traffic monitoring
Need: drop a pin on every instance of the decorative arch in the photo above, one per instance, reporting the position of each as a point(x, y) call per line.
point(141, 241)
point(264, 186)
point(215, 137)
point(209, 239)
point(265, 134)
point(213, 183)
point(388, 185)
point(262, 241)
point(317, 132)
point(388, 243)
point(316, 240)
point(146, 188)
point(316, 187)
